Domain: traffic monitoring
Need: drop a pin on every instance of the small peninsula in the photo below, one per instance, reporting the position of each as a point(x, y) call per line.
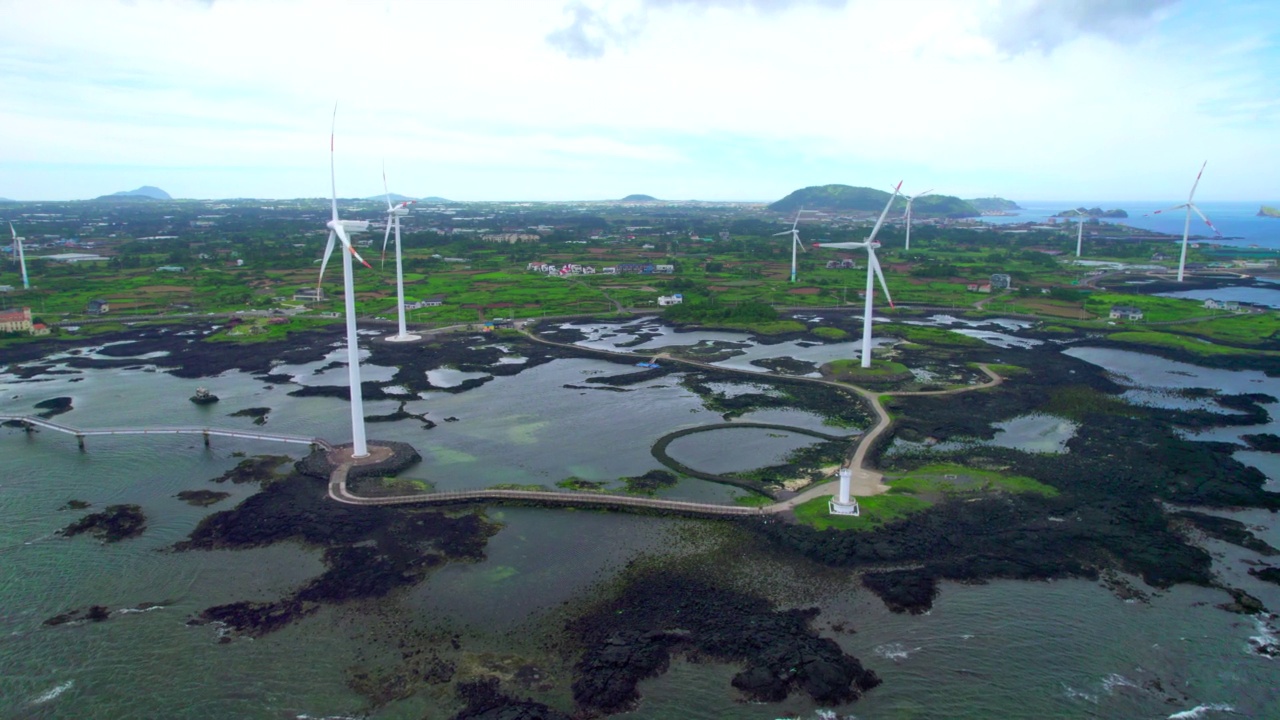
point(846, 198)
point(995, 205)
point(1096, 212)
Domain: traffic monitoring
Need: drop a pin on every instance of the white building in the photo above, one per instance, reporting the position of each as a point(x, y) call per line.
point(664, 300)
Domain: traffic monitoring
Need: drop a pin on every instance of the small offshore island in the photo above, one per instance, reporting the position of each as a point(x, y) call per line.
point(1028, 431)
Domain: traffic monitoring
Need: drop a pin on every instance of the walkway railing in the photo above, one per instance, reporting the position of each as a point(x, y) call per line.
point(207, 432)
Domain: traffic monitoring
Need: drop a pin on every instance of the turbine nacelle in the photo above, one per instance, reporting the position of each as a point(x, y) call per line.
point(351, 226)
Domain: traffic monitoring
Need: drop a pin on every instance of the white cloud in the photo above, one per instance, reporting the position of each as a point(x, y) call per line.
point(705, 98)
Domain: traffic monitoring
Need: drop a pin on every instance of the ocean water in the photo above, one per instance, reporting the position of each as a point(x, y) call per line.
point(1237, 221)
point(1067, 649)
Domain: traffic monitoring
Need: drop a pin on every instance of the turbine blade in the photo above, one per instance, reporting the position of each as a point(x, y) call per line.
point(875, 263)
point(1206, 220)
point(356, 255)
point(1157, 212)
point(333, 175)
point(13, 232)
point(1196, 183)
point(799, 244)
point(384, 184)
point(328, 250)
point(386, 237)
point(796, 224)
point(887, 205)
point(926, 192)
point(346, 243)
point(784, 232)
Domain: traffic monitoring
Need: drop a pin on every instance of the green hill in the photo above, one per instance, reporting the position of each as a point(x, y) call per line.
point(846, 198)
point(1268, 211)
point(994, 204)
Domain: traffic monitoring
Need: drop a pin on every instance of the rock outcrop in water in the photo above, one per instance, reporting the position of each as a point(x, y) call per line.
point(368, 551)
point(113, 524)
point(661, 614)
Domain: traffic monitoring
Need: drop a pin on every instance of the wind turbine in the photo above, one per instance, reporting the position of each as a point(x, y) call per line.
point(394, 213)
point(17, 253)
point(794, 232)
point(873, 272)
point(1186, 228)
point(340, 229)
point(909, 201)
point(1080, 232)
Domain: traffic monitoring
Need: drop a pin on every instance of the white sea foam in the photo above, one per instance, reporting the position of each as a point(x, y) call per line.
point(1200, 711)
point(54, 693)
point(128, 611)
point(1074, 694)
point(894, 651)
point(1116, 680)
point(1265, 643)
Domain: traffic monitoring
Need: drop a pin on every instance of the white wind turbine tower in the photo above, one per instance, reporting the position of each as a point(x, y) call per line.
point(873, 272)
point(394, 213)
point(1186, 228)
point(794, 232)
point(910, 200)
point(1080, 232)
point(340, 229)
point(17, 253)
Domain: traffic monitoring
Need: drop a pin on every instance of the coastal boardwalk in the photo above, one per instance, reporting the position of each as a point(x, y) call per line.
point(207, 432)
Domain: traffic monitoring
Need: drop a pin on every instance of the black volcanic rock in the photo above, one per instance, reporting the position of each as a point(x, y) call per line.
point(485, 701)
point(54, 406)
point(633, 636)
point(115, 523)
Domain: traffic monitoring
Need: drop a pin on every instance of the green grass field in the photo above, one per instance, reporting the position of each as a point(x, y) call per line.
point(876, 511)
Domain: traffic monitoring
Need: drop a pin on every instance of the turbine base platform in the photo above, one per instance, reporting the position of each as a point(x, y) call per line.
point(386, 458)
point(403, 338)
point(838, 508)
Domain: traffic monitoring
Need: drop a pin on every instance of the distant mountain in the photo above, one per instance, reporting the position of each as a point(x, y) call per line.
point(395, 198)
point(433, 199)
point(639, 198)
point(846, 198)
point(994, 204)
point(146, 192)
point(1093, 212)
point(7, 200)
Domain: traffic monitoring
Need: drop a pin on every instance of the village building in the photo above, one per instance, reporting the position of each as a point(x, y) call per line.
point(433, 301)
point(309, 295)
point(1125, 312)
point(1231, 305)
point(1001, 281)
point(676, 299)
point(97, 307)
point(16, 321)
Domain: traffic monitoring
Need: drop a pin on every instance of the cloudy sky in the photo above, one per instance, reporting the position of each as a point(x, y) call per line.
point(681, 99)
